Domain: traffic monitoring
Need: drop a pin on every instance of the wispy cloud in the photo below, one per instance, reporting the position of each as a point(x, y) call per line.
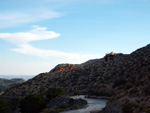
point(23, 39)
point(63, 56)
point(11, 19)
point(41, 10)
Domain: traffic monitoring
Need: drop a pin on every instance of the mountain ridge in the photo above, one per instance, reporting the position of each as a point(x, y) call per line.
point(116, 79)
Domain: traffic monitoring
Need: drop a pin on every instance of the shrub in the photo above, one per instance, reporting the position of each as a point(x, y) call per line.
point(128, 85)
point(13, 103)
point(138, 101)
point(32, 104)
point(146, 90)
point(54, 111)
point(63, 106)
point(133, 91)
point(127, 107)
point(107, 93)
point(71, 101)
point(3, 106)
point(54, 92)
point(119, 83)
point(139, 83)
point(147, 110)
point(149, 76)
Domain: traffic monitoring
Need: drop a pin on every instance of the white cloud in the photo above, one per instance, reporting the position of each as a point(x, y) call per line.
point(23, 39)
point(11, 19)
point(63, 56)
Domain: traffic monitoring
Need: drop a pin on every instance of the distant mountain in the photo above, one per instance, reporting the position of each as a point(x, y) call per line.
point(7, 83)
point(124, 79)
point(11, 81)
point(25, 77)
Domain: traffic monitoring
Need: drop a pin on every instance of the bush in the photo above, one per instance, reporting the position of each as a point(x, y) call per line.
point(71, 101)
point(127, 107)
point(139, 83)
point(146, 90)
point(52, 111)
point(13, 103)
point(63, 106)
point(133, 91)
point(55, 111)
point(54, 92)
point(3, 106)
point(128, 85)
point(149, 76)
point(105, 92)
point(119, 83)
point(32, 104)
point(147, 110)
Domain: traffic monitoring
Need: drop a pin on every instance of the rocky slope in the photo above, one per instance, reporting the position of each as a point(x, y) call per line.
point(11, 81)
point(125, 79)
point(132, 84)
point(6, 83)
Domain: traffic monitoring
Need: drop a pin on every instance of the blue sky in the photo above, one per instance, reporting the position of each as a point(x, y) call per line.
point(36, 35)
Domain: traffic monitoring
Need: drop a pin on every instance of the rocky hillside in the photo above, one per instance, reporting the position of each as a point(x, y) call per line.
point(125, 79)
point(131, 84)
point(6, 83)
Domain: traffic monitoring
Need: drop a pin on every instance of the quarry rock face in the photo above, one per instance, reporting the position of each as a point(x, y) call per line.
point(125, 79)
point(65, 67)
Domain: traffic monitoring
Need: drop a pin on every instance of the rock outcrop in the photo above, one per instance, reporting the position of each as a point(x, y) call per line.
point(125, 79)
point(65, 67)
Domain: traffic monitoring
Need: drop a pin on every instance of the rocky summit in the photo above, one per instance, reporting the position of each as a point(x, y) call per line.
point(125, 79)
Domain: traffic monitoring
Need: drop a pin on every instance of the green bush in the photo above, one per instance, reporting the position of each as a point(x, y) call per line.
point(71, 101)
point(55, 111)
point(147, 110)
point(52, 111)
point(63, 106)
point(119, 83)
point(133, 91)
point(147, 90)
point(108, 93)
point(32, 104)
point(127, 107)
point(128, 86)
point(149, 76)
point(54, 92)
point(139, 82)
point(3, 106)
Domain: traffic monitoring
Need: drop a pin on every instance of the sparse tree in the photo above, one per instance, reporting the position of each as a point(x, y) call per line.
point(32, 104)
point(3, 106)
point(54, 92)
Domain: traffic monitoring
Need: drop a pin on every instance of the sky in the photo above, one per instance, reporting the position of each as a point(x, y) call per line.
point(36, 35)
